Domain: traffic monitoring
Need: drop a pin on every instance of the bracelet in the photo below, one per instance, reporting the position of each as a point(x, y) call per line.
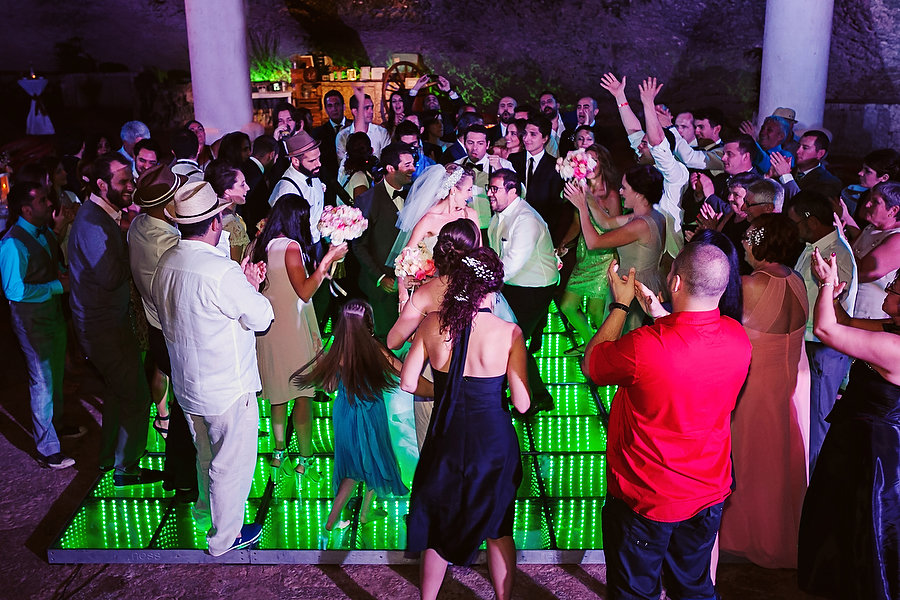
point(624, 104)
point(618, 305)
point(825, 284)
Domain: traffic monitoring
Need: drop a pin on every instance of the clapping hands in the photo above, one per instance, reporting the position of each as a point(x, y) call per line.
point(254, 272)
point(622, 288)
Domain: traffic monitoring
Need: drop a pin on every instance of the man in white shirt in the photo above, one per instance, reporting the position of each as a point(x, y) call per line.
point(654, 148)
point(520, 237)
point(149, 236)
point(363, 110)
point(475, 141)
point(302, 178)
point(210, 310)
point(814, 217)
point(186, 148)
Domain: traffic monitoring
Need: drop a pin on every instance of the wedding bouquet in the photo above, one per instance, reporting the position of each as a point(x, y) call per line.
point(341, 224)
point(575, 166)
point(414, 263)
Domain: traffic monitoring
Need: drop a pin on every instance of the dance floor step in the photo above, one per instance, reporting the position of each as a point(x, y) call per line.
point(557, 508)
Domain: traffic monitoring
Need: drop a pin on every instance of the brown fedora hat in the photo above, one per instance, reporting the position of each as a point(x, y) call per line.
point(157, 186)
point(195, 202)
point(300, 142)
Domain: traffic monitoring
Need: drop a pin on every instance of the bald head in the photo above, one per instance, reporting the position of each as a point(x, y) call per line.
point(703, 269)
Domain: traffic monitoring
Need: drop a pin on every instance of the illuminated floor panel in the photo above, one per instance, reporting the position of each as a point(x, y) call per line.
point(557, 508)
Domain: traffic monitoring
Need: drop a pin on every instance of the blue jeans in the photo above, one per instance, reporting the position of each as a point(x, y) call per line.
point(41, 331)
point(827, 368)
point(639, 551)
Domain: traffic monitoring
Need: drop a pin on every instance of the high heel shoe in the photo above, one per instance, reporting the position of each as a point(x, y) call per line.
point(308, 471)
point(277, 461)
point(338, 531)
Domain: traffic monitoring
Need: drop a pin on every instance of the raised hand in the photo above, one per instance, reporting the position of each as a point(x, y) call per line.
point(420, 83)
point(702, 185)
point(749, 128)
point(708, 217)
point(611, 84)
point(664, 115)
point(826, 270)
point(443, 84)
point(781, 164)
point(649, 90)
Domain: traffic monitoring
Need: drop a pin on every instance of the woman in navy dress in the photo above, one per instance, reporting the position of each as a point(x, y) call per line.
point(850, 526)
point(464, 488)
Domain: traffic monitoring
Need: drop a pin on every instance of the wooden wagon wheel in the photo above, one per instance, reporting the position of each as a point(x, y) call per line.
point(395, 78)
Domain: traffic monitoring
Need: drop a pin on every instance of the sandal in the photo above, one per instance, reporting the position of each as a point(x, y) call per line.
point(308, 472)
point(162, 431)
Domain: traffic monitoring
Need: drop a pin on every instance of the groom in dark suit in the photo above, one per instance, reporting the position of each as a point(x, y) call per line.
point(380, 205)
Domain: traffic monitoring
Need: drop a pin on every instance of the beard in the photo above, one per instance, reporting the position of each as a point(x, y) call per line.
point(117, 198)
point(310, 173)
point(506, 117)
point(549, 112)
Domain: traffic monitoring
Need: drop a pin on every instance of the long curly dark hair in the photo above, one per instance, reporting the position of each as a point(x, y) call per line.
point(356, 358)
point(455, 240)
point(290, 218)
point(479, 274)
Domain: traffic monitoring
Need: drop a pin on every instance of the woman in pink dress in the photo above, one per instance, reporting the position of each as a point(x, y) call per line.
point(292, 277)
point(770, 426)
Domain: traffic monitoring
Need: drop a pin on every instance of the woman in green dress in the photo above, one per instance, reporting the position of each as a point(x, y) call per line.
point(588, 279)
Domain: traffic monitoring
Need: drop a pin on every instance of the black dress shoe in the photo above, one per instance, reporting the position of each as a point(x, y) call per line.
point(139, 477)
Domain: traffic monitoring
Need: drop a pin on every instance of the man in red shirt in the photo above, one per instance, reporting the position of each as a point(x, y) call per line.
point(669, 441)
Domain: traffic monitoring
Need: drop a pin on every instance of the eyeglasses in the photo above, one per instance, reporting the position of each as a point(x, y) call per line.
point(493, 189)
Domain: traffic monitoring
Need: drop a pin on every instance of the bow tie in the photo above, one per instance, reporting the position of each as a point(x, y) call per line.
point(473, 166)
point(400, 193)
point(309, 181)
point(41, 230)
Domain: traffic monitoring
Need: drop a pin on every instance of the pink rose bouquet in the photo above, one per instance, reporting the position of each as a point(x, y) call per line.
point(341, 224)
point(576, 166)
point(414, 263)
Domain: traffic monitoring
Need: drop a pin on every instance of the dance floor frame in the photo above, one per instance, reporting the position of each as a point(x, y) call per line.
point(557, 508)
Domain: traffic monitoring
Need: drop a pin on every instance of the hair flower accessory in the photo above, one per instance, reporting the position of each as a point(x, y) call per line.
point(449, 182)
point(755, 236)
point(479, 268)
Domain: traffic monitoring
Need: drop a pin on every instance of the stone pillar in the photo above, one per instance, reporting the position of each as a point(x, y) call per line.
point(796, 44)
point(220, 74)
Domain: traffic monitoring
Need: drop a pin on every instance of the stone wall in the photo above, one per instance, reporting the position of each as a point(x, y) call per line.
point(707, 51)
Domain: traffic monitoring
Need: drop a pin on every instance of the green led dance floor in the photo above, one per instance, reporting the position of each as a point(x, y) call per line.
point(557, 510)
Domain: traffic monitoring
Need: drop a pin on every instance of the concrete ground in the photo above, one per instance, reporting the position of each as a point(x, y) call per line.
point(35, 504)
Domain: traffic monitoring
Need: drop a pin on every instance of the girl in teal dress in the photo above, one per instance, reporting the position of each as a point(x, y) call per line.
point(361, 369)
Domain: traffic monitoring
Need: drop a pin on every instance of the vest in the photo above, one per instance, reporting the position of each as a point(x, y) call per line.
point(42, 267)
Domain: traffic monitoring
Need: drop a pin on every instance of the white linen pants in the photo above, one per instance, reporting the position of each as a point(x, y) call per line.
point(226, 459)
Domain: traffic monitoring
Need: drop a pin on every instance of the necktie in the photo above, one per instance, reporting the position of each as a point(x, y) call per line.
point(473, 166)
point(529, 172)
point(800, 175)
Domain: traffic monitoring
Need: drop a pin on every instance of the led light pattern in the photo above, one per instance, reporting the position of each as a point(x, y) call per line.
point(557, 508)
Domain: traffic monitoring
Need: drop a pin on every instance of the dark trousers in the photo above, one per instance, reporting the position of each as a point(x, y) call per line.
point(180, 471)
point(41, 331)
point(827, 368)
point(530, 305)
point(639, 551)
point(113, 350)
